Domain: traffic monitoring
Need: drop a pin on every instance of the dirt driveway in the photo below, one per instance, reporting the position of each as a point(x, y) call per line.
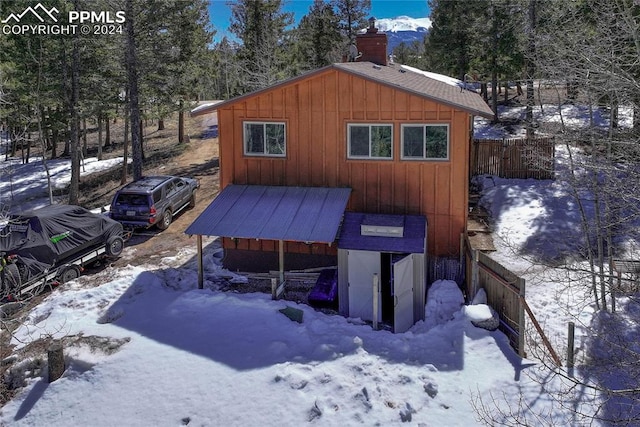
point(199, 160)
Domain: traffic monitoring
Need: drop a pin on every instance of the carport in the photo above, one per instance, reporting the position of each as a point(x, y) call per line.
point(282, 213)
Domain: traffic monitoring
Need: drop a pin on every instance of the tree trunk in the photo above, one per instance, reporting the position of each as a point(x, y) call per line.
point(161, 124)
point(531, 69)
point(134, 108)
point(99, 136)
point(66, 136)
point(45, 140)
point(125, 148)
point(141, 132)
point(14, 142)
point(55, 360)
point(494, 94)
point(42, 132)
point(26, 159)
point(84, 137)
point(55, 138)
point(24, 142)
point(181, 123)
point(107, 132)
point(494, 64)
point(75, 119)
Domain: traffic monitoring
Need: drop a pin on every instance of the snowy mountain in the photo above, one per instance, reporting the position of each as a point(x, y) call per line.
point(403, 29)
point(404, 23)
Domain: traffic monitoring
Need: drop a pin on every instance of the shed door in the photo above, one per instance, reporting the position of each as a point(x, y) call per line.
point(403, 294)
point(362, 266)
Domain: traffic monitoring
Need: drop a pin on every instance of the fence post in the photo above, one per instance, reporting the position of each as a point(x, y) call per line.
point(475, 274)
point(570, 348)
point(200, 262)
point(503, 160)
point(521, 317)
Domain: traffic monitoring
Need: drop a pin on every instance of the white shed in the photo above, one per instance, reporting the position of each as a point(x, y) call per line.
point(391, 248)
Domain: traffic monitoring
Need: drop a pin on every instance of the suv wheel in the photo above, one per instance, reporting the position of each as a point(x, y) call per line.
point(166, 220)
point(192, 201)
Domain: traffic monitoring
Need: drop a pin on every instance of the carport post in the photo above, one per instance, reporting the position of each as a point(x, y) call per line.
point(376, 290)
point(281, 259)
point(200, 266)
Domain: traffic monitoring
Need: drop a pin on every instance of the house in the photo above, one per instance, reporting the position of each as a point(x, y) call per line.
point(347, 164)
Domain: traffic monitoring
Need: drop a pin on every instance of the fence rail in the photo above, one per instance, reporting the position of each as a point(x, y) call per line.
point(514, 158)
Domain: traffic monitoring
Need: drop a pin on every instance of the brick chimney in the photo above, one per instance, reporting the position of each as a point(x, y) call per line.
point(372, 45)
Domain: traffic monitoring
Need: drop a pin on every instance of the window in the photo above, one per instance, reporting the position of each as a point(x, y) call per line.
point(131, 200)
point(264, 139)
point(425, 142)
point(171, 187)
point(369, 141)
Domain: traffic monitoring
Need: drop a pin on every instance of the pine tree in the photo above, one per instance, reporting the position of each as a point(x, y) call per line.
point(132, 65)
point(189, 37)
point(410, 54)
point(449, 44)
point(353, 16)
point(260, 26)
point(318, 37)
point(226, 82)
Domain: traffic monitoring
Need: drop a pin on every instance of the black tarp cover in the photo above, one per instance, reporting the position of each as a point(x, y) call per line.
point(45, 237)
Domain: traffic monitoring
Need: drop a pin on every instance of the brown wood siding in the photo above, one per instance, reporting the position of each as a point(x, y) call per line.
point(316, 112)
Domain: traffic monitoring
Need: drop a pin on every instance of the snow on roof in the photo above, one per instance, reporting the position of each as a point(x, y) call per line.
point(205, 105)
point(440, 77)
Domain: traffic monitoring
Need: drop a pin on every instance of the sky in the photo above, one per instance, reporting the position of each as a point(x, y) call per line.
point(145, 347)
point(220, 13)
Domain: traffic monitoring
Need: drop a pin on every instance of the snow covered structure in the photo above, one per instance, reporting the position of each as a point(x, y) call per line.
point(43, 244)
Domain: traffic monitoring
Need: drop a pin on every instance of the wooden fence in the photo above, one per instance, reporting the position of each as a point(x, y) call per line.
point(505, 294)
point(504, 291)
point(513, 158)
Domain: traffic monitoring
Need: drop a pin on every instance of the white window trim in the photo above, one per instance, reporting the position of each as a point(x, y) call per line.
point(264, 143)
point(369, 157)
point(424, 158)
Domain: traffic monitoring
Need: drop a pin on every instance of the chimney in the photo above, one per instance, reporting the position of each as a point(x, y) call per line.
point(372, 45)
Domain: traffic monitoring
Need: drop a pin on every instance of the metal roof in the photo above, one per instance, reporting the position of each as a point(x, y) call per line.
point(412, 241)
point(299, 214)
point(393, 75)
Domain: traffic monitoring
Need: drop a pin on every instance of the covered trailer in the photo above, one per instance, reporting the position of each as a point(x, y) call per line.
point(54, 243)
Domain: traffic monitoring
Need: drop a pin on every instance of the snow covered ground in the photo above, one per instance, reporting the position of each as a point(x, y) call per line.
point(147, 348)
point(24, 186)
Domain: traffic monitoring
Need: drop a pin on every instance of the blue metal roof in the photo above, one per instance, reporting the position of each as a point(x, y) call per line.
point(413, 240)
point(299, 214)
